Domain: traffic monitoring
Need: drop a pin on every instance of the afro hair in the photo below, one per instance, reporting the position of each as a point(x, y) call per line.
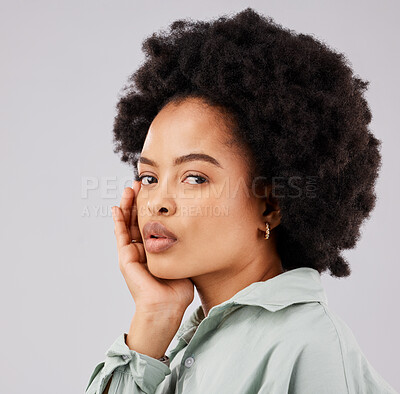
point(298, 109)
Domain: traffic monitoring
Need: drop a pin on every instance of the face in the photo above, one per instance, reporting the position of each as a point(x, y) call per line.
point(206, 204)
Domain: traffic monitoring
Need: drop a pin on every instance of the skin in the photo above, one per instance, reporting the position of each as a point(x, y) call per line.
point(218, 221)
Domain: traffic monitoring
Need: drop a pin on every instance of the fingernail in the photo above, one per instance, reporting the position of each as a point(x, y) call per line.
point(113, 212)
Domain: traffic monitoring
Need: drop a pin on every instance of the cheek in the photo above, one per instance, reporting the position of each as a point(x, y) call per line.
point(217, 227)
point(141, 205)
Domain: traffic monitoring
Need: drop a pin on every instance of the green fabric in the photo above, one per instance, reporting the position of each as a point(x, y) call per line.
point(273, 337)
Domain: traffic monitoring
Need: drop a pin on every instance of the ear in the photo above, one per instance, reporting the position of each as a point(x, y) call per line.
point(269, 210)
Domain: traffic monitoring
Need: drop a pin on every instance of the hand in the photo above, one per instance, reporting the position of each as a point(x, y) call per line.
point(150, 294)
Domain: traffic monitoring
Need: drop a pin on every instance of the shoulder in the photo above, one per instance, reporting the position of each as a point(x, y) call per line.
point(361, 376)
point(300, 325)
point(299, 349)
point(319, 359)
point(308, 332)
point(303, 330)
point(324, 353)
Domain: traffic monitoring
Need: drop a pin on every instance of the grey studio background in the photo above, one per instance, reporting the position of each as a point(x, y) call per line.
point(63, 298)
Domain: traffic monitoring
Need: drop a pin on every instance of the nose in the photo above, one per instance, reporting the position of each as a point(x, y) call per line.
point(161, 203)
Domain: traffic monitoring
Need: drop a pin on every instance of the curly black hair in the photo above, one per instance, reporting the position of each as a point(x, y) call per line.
point(297, 108)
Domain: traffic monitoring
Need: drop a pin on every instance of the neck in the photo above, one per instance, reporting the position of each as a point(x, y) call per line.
point(217, 287)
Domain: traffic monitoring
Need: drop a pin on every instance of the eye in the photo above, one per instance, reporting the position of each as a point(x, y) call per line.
point(199, 177)
point(145, 176)
point(204, 180)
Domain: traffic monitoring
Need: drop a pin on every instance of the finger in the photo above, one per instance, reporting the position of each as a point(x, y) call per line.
point(134, 226)
point(120, 229)
point(126, 205)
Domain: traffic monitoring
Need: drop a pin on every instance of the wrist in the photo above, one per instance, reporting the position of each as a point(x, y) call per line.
point(151, 334)
point(160, 312)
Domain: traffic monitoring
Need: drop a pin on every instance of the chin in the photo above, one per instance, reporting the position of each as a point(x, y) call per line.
point(161, 269)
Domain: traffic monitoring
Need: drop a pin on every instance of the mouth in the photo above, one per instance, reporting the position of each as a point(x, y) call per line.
point(156, 244)
point(156, 233)
point(155, 236)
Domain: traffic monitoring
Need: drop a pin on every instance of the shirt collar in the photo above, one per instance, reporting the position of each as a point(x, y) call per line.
point(298, 285)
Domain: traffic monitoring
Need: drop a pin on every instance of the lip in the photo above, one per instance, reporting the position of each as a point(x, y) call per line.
point(154, 245)
point(157, 228)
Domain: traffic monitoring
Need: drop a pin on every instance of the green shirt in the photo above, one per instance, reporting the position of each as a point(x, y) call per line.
point(275, 337)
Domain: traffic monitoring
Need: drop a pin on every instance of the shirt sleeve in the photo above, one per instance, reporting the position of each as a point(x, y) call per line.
point(318, 368)
point(131, 372)
point(321, 366)
point(305, 364)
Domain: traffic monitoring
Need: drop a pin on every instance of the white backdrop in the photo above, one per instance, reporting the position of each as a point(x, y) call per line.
point(63, 299)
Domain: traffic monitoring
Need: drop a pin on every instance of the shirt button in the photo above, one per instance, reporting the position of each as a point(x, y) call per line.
point(189, 362)
point(125, 357)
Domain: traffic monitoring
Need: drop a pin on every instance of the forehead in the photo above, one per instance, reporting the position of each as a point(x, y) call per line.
point(188, 125)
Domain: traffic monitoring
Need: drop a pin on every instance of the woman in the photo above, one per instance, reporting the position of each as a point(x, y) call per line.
point(254, 167)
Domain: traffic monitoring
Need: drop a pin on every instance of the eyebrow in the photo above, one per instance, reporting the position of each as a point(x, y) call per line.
point(184, 159)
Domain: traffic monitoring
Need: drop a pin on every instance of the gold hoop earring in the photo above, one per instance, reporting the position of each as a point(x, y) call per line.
point(266, 235)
